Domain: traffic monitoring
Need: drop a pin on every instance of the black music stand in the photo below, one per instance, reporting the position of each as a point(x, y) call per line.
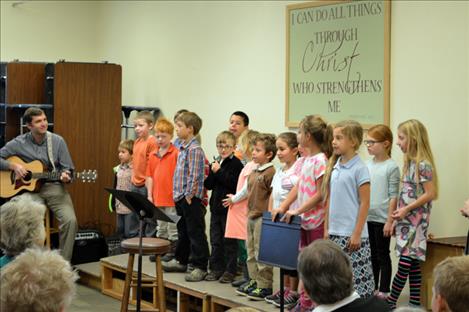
point(144, 209)
point(279, 245)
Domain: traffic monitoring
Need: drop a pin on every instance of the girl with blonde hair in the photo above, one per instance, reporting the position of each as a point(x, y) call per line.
point(346, 186)
point(237, 217)
point(419, 187)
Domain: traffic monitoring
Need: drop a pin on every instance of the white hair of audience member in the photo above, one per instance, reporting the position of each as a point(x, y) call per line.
point(409, 309)
point(22, 223)
point(37, 280)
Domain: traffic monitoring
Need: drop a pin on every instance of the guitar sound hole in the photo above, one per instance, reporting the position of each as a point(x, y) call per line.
point(28, 176)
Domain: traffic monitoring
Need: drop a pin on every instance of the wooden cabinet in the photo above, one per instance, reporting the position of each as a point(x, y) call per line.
point(21, 83)
point(438, 250)
point(86, 111)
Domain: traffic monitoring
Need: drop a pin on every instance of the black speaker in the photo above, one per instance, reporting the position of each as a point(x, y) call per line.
point(90, 246)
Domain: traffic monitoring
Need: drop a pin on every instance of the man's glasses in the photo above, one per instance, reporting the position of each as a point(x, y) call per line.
point(224, 147)
point(371, 142)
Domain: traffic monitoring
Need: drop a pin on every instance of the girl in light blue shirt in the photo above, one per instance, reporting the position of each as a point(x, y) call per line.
point(346, 186)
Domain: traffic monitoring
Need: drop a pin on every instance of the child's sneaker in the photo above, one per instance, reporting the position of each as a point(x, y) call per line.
point(167, 257)
point(299, 308)
point(275, 296)
point(195, 275)
point(260, 293)
point(173, 266)
point(239, 282)
point(246, 288)
point(226, 278)
point(213, 276)
point(289, 300)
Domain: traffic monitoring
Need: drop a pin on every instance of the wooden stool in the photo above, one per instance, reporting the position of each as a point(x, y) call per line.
point(150, 246)
point(49, 230)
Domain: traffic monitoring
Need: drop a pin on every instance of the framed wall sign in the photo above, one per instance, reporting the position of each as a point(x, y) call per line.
point(337, 62)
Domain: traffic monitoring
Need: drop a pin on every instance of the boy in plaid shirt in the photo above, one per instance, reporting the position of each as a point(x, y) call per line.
point(188, 193)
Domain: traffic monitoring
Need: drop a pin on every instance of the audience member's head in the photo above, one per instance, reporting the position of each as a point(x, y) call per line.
point(21, 224)
point(326, 272)
point(37, 280)
point(451, 285)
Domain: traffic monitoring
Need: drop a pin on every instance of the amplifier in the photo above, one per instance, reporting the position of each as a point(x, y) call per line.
point(89, 234)
point(90, 246)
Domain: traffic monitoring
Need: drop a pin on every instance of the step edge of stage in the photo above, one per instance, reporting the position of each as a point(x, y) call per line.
point(120, 262)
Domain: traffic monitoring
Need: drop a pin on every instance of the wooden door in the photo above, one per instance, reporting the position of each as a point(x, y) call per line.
point(87, 113)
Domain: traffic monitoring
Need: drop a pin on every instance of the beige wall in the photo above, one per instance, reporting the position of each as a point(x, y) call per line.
point(46, 31)
point(217, 57)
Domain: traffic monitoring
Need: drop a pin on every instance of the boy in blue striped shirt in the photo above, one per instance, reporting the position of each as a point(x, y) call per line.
point(188, 192)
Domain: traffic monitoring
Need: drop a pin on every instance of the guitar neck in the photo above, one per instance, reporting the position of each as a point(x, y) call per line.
point(52, 176)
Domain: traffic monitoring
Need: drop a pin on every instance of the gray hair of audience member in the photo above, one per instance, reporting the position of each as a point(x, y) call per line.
point(409, 309)
point(21, 223)
point(451, 285)
point(37, 280)
point(326, 272)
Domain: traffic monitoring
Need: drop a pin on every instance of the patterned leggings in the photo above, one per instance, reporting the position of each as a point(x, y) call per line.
point(407, 267)
point(361, 265)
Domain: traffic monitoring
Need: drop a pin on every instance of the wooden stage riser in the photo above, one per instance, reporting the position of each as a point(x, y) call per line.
point(202, 296)
point(112, 284)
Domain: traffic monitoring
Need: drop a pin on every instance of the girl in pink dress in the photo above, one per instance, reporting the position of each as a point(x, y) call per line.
point(236, 221)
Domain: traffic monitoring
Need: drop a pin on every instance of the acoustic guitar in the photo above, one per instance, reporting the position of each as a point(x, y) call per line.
point(10, 186)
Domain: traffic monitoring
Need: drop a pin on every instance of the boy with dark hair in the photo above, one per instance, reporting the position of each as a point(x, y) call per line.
point(188, 192)
point(222, 180)
point(257, 190)
point(327, 277)
point(239, 122)
point(239, 125)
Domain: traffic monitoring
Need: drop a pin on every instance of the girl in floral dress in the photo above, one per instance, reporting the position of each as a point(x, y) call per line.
point(419, 187)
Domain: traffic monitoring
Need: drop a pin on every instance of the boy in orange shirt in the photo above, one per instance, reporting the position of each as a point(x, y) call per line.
point(159, 180)
point(144, 146)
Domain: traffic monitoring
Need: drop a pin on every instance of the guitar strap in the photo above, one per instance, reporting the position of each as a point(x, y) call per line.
point(49, 150)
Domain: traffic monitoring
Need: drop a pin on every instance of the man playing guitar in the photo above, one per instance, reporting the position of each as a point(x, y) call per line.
point(34, 145)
